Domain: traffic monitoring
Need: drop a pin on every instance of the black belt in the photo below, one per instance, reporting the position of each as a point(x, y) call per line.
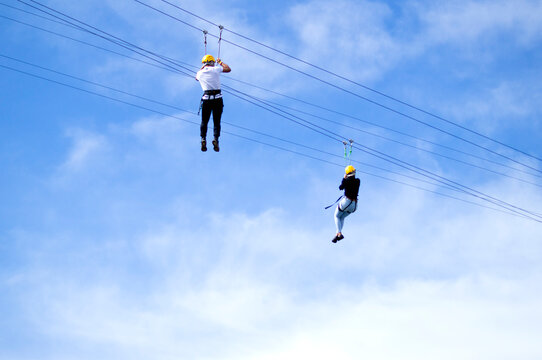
point(211, 92)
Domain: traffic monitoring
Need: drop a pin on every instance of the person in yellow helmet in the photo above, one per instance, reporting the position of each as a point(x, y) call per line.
point(349, 202)
point(211, 101)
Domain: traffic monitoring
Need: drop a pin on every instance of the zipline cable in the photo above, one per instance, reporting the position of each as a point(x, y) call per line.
point(193, 113)
point(507, 211)
point(340, 140)
point(143, 49)
point(189, 121)
point(107, 36)
point(359, 84)
point(117, 40)
point(34, 14)
point(346, 156)
point(154, 64)
point(350, 92)
point(95, 84)
point(384, 127)
point(408, 166)
point(405, 144)
point(107, 87)
point(171, 60)
point(452, 183)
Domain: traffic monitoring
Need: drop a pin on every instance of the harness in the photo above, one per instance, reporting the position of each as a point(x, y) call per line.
point(336, 201)
point(339, 199)
point(209, 95)
point(351, 201)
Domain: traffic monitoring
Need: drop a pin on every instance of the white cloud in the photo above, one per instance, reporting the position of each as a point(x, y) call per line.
point(349, 36)
point(361, 41)
point(194, 282)
point(158, 128)
point(433, 278)
point(467, 22)
point(361, 38)
point(477, 317)
point(85, 147)
point(506, 105)
point(467, 318)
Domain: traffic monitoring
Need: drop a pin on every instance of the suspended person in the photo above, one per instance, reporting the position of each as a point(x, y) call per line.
point(211, 101)
point(349, 202)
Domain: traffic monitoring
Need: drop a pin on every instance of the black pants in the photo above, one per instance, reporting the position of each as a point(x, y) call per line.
point(214, 106)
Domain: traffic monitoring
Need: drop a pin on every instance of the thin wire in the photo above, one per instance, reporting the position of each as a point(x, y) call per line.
point(186, 120)
point(109, 37)
point(384, 127)
point(37, 15)
point(351, 92)
point(320, 127)
point(71, 25)
point(405, 144)
point(117, 41)
point(96, 84)
point(507, 211)
point(333, 154)
point(89, 44)
point(395, 111)
point(177, 61)
point(168, 68)
point(452, 183)
point(360, 85)
point(408, 166)
point(193, 113)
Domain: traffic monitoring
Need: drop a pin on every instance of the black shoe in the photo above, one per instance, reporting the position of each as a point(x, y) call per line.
point(340, 237)
point(335, 239)
point(203, 145)
point(215, 145)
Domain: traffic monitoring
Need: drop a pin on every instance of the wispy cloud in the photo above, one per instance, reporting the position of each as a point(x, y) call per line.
point(153, 249)
point(466, 23)
point(357, 30)
point(206, 284)
point(85, 146)
point(506, 105)
point(377, 38)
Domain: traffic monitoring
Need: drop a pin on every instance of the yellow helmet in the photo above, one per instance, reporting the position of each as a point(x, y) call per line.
point(349, 169)
point(207, 59)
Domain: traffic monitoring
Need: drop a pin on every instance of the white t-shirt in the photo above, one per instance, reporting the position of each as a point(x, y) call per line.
point(209, 77)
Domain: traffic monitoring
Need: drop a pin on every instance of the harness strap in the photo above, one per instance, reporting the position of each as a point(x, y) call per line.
point(348, 154)
point(336, 201)
point(205, 39)
point(220, 39)
point(351, 201)
point(209, 95)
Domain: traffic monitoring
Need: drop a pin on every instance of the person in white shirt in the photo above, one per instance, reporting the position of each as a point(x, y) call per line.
point(211, 101)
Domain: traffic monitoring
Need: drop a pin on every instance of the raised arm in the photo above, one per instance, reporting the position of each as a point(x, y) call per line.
point(225, 67)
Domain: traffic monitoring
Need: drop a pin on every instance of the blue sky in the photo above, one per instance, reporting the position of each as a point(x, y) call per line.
point(120, 239)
